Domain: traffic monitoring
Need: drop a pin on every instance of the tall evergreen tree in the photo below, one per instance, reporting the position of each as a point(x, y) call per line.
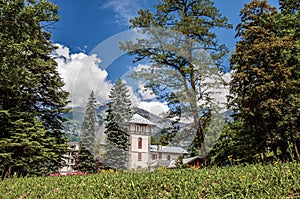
point(30, 86)
point(89, 124)
point(260, 79)
point(117, 127)
point(290, 27)
point(183, 51)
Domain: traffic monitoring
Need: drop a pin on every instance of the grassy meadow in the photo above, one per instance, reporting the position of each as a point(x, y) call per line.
point(251, 181)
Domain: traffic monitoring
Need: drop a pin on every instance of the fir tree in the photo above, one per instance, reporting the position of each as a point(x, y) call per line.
point(117, 128)
point(84, 160)
point(183, 51)
point(89, 124)
point(30, 87)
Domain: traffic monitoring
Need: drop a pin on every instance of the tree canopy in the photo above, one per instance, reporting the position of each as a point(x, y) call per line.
point(89, 125)
point(264, 80)
point(31, 96)
point(182, 51)
point(117, 127)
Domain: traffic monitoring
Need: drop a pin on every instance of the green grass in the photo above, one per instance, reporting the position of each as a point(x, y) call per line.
point(252, 181)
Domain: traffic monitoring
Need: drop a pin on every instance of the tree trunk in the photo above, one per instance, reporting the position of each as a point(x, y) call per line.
point(5, 171)
point(297, 151)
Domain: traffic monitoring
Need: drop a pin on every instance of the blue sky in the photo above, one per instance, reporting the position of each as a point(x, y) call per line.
point(86, 23)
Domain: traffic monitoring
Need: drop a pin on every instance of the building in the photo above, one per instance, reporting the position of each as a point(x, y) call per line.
point(140, 141)
point(69, 158)
point(144, 155)
point(141, 153)
point(162, 156)
point(192, 162)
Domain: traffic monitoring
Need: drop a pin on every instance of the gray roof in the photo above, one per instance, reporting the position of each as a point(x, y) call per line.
point(137, 119)
point(169, 149)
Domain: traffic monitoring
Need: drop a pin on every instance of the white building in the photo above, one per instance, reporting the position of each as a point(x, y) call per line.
point(144, 155)
point(69, 158)
point(141, 153)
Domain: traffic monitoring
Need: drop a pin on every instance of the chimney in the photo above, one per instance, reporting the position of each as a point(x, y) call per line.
point(159, 147)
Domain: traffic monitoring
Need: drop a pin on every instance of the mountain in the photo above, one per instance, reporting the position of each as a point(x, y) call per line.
point(183, 138)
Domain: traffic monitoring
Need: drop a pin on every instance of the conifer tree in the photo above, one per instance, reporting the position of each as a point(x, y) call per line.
point(117, 127)
point(84, 160)
point(290, 27)
point(30, 87)
point(89, 124)
point(260, 79)
point(183, 51)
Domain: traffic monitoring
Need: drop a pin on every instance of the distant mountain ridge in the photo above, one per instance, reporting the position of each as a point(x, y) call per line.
point(183, 138)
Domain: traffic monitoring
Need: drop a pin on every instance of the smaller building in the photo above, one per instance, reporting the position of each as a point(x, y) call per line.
point(69, 158)
point(162, 156)
point(192, 162)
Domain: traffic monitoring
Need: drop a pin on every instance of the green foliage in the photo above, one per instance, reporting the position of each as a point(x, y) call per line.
point(31, 92)
point(117, 127)
point(84, 160)
point(28, 149)
point(252, 181)
point(179, 162)
point(89, 125)
point(232, 146)
point(183, 51)
point(263, 82)
point(164, 136)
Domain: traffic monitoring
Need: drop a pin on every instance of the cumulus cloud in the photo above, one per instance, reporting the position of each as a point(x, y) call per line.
point(135, 100)
point(152, 106)
point(155, 107)
point(81, 75)
point(218, 89)
point(145, 93)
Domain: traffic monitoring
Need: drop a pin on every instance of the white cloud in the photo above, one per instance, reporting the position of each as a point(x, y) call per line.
point(219, 89)
point(124, 9)
point(135, 100)
point(154, 107)
point(81, 75)
point(145, 93)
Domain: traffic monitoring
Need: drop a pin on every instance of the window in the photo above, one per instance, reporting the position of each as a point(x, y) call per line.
point(141, 128)
point(140, 143)
point(139, 156)
point(160, 156)
point(154, 156)
point(169, 157)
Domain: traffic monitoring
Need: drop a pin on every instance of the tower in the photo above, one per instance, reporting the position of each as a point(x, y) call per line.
point(140, 140)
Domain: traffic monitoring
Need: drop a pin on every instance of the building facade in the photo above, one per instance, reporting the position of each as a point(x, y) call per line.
point(69, 158)
point(144, 155)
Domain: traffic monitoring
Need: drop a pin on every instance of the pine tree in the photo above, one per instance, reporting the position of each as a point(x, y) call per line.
point(89, 124)
point(183, 51)
point(84, 160)
point(260, 79)
point(117, 127)
point(30, 86)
